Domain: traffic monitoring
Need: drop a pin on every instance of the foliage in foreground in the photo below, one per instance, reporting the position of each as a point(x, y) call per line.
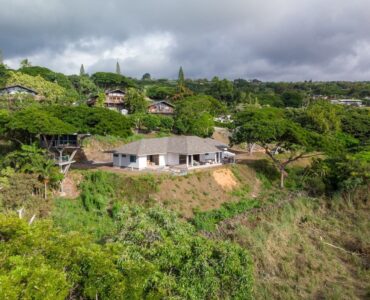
point(154, 255)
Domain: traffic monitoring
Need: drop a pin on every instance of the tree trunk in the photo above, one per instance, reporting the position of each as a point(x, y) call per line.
point(45, 189)
point(282, 175)
point(251, 148)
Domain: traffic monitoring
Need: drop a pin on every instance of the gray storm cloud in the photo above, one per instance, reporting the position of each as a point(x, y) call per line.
point(270, 40)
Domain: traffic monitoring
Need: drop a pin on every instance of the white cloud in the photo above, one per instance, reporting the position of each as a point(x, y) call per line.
point(150, 51)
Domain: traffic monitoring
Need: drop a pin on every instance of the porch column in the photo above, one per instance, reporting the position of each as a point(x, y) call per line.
point(192, 160)
point(187, 161)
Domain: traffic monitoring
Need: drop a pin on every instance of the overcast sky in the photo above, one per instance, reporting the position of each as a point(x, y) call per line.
point(287, 40)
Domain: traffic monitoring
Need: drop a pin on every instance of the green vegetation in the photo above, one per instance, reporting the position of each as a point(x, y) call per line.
point(209, 219)
point(160, 92)
point(307, 240)
point(111, 80)
point(274, 132)
point(136, 102)
point(93, 120)
point(305, 249)
point(194, 115)
point(182, 263)
point(52, 92)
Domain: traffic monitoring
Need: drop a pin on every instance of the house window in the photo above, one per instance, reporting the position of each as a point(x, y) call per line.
point(123, 155)
point(182, 159)
point(133, 158)
point(115, 155)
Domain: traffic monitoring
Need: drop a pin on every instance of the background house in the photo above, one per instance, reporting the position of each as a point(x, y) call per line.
point(349, 102)
point(114, 100)
point(18, 90)
point(161, 107)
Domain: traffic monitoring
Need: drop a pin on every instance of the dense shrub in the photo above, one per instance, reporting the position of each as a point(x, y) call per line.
point(40, 262)
point(189, 266)
point(160, 92)
point(183, 265)
point(208, 220)
point(344, 174)
point(111, 80)
point(93, 120)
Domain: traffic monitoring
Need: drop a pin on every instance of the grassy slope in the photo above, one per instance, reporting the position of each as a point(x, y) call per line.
point(306, 250)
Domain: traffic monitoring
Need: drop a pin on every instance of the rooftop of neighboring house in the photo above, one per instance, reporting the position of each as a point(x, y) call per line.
point(347, 100)
point(18, 87)
point(115, 91)
point(161, 101)
point(176, 144)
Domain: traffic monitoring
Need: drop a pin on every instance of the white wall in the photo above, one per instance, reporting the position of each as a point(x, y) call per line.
point(124, 161)
point(172, 159)
point(162, 160)
point(141, 162)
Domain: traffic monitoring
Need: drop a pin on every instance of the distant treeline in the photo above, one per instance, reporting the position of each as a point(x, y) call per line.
point(77, 88)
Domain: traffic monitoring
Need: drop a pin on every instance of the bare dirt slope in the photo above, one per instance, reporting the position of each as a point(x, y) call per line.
point(70, 185)
point(205, 190)
point(98, 151)
point(222, 135)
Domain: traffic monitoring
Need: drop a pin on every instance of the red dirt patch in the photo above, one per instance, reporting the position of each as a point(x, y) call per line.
point(225, 178)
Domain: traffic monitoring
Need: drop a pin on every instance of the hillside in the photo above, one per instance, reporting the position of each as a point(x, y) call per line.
point(301, 246)
point(288, 221)
point(307, 249)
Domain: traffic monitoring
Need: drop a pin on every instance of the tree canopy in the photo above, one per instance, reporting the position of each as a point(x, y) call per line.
point(52, 92)
point(27, 124)
point(135, 101)
point(111, 80)
point(194, 115)
point(273, 131)
point(96, 120)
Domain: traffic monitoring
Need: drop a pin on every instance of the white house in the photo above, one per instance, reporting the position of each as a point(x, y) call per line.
point(349, 102)
point(181, 151)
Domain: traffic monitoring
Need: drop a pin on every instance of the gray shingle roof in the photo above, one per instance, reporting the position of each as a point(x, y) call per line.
point(176, 144)
point(20, 86)
point(161, 101)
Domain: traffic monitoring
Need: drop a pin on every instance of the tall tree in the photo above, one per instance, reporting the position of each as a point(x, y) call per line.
point(146, 76)
point(118, 68)
point(82, 70)
point(135, 101)
point(181, 78)
point(1, 57)
point(25, 63)
point(270, 129)
point(182, 90)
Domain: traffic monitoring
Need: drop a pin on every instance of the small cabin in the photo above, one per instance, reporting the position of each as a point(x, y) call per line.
point(161, 107)
point(60, 141)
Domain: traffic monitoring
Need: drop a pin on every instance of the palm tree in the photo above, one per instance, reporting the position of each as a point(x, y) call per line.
point(45, 171)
